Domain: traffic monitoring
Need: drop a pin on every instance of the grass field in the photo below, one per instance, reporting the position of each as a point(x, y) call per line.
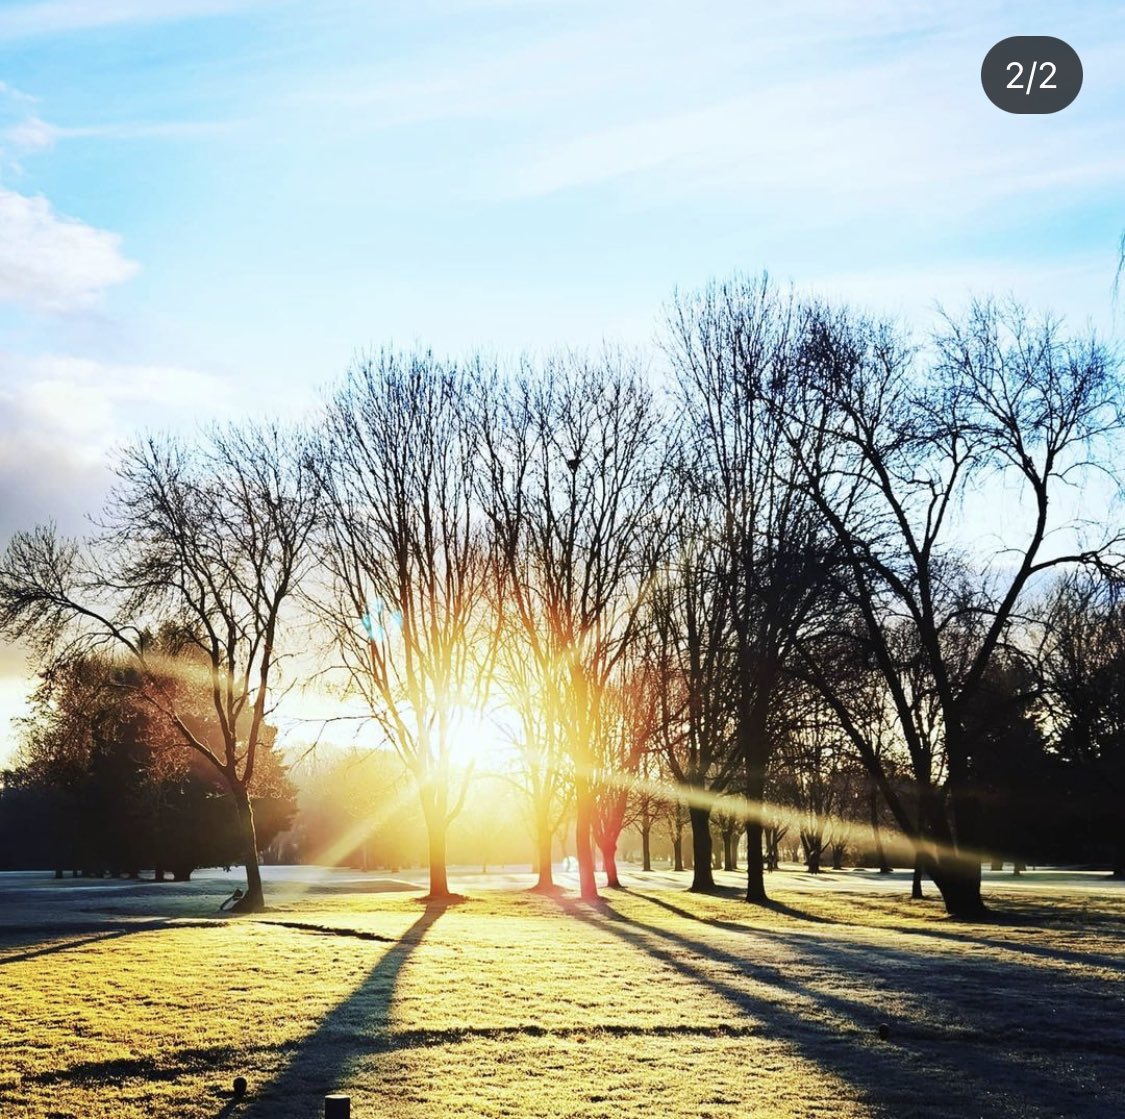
point(128, 1000)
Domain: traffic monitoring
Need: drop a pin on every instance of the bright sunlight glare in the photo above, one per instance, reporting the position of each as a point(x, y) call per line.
point(480, 740)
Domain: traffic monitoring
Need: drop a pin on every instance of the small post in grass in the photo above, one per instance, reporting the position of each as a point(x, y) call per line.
point(337, 1107)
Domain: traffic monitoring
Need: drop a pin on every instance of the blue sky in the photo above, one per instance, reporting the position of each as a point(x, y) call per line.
point(208, 206)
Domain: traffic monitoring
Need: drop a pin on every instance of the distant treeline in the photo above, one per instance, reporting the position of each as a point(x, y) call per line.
point(104, 786)
point(817, 585)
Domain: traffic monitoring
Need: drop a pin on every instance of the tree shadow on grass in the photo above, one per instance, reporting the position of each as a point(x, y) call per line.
point(353, 1029)
point(1047, 952)
point(66, 946)
point(82, 935)
point(778, 907)
point(1051, 953)
point(956, 1070)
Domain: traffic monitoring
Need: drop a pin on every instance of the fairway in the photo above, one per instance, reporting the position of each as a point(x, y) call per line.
point(125, 999)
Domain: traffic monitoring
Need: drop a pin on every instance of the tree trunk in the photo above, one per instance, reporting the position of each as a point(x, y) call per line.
point(812, 856)
point(646, 848)
point(755, 877)
point(730, 849)
point(583, 839)
point(772, 844)
point(609, 860)
point(996, 864)
point(958, 880)
point(253, 900)
point(58, 873)
point(877, 835)
point(678, 850)
point(1119, 856)
point(755, 747)
point(543, 843)
point(916, 884)
point(435, 835)
point(702, 877)
point(955, 873)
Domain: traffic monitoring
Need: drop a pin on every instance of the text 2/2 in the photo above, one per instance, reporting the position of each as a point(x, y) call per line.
point(1046, 81)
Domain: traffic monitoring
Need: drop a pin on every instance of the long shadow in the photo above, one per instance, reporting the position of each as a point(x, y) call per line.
point(861, 956)
point(51, 949)
point(1066, 955)
point(916, 1069)
point(1087, 959)
point(738, 893)
point(352, 1029)
point(118, 1070)
point(715, 922)
point(99, 932)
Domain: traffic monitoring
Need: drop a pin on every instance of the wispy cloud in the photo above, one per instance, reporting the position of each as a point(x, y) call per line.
point(853, 138)
point(53, 17)
point(32, 133)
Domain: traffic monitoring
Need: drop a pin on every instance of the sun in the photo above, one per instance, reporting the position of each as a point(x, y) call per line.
point(477, 739)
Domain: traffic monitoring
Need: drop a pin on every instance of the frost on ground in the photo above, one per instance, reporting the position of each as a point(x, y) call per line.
point(131, 1000)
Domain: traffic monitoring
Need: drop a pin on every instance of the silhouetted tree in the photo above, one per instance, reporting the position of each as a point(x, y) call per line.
point(626, 733)
point(690, 645)
point(1084, 670)
point(206, 541)
point(889, 446)
point(732, 348)
point(127, 792)
point(544, 768)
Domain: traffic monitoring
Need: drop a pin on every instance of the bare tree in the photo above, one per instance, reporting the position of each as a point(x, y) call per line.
point(627, 731)
point(649, 801)
point(206, 542)
point(891, 449)
point(544, 769)
point(677, 819)
point(405, 566)
point(815, 757)
point(575, 489)
point(690, 644)
point(732, 348)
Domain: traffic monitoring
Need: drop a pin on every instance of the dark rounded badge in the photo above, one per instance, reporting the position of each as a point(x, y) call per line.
point(1031, 74)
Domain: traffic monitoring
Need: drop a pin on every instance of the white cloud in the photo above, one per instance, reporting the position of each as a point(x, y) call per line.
point(10, 91)
point(82, 404)
point(60, 416)
point(52, 262)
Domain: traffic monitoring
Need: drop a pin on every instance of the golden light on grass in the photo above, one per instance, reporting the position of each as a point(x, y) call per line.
point(657, 1002)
